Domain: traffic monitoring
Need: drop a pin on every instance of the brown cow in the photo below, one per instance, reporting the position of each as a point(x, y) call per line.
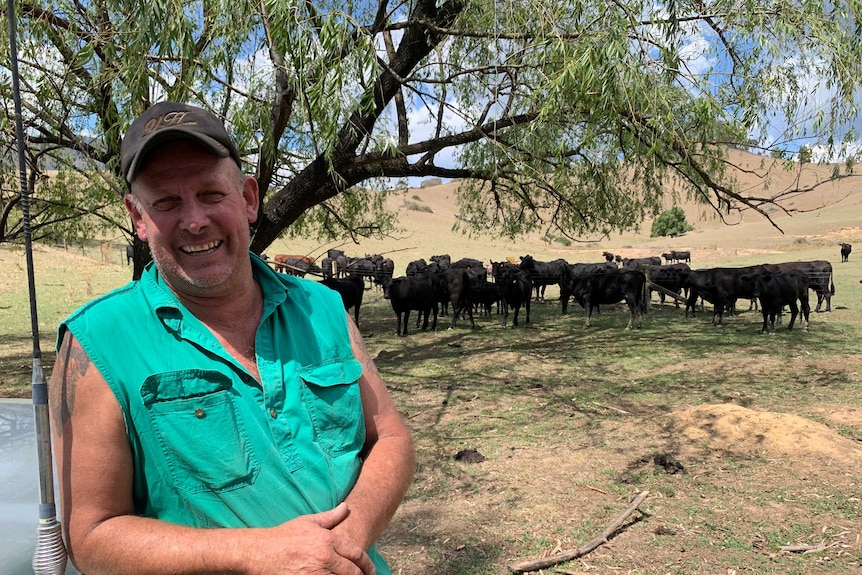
point(293, 264)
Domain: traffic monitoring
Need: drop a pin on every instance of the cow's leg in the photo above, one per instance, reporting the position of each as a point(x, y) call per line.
point(456, 312)
point(820, 297)
point(470, 315)
point(399, 315)
point(794, 313)
point(406, 320)
point(506, 312)
point(527, 306)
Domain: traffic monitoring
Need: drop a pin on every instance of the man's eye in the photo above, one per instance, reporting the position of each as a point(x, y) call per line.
point(213, 197)
point(165, 204)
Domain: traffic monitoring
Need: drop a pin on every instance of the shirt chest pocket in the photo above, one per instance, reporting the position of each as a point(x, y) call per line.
point(195, 419)
point(331, 394)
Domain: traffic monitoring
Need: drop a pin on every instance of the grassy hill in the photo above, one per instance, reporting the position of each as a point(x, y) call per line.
point(814, 223)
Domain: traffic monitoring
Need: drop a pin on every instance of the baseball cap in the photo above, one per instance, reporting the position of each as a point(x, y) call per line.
point(168, 121)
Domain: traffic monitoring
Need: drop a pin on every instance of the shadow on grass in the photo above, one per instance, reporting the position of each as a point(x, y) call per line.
point(16, 364)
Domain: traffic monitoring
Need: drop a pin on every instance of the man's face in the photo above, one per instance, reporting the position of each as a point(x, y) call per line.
point(194, 209)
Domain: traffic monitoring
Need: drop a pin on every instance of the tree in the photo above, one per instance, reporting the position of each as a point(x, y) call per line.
point(565, 116)
point(670, 223)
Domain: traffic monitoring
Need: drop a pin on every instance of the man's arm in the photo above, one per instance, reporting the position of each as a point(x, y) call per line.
point(389, 457)
point(94, 465)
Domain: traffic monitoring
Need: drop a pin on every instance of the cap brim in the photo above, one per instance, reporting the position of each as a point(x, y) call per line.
point(169, 135)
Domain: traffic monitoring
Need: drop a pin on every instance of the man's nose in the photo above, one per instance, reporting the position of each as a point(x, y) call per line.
point(194, 217)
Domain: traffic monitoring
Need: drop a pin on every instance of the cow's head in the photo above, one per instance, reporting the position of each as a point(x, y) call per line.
point(387, 284)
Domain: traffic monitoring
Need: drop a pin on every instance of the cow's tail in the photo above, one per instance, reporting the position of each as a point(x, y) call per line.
point(831, 284)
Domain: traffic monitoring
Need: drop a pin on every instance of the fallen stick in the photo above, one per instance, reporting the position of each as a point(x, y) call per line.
point(545, 562)
point(803, 548)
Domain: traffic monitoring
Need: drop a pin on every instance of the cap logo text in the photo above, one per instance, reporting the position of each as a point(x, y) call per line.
point(169, 120)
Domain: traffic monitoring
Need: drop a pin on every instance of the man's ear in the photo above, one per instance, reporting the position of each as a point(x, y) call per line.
point(137, 218)
point(251, 194)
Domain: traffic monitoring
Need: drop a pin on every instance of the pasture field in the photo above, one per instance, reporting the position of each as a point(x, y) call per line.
point(745, 442)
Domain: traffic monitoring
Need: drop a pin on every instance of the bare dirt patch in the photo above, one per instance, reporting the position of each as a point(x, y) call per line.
point(734, 429)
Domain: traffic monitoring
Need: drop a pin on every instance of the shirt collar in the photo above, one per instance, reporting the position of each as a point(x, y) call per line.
point(169, 308)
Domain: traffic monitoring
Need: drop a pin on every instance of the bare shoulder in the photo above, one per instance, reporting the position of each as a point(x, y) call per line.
point(360, 351)
point(75, 384)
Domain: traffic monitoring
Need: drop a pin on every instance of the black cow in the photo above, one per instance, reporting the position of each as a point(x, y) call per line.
point(498, 269)
point(334, 264)
point(609, 257)
point(638, 263)
point(350, 289)
point(718, 286)
point(484, 296)
point(721, 287)
point(409, 293)
point(362, 267)
point(130, 253)
point(592, 290)
point(384, 268)
point(684, 257)
point(467, 263)
point(516, 290)
point(543, 274)
point(416, 267)
point(443, 261)
point(776, 290)
point(819, 274)
point(570, 272)
point(456, 286)
point(668, 277)
point(845, 252)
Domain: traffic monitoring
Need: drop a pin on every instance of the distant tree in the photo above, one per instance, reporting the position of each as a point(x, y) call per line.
point(670, 223)
point(805, 154)
point(850, 163)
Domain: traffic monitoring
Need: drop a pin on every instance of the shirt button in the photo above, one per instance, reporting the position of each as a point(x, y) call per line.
point(200, 413)
point(273, 413)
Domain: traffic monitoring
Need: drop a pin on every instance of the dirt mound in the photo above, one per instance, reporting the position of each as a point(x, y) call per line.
point(735, 429)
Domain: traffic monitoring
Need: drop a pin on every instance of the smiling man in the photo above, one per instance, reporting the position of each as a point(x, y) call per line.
point(214, 416)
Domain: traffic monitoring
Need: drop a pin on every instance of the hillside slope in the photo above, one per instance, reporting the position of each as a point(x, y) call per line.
point(817, 222)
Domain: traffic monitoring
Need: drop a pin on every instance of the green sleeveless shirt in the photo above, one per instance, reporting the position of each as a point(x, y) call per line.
point(212, 446)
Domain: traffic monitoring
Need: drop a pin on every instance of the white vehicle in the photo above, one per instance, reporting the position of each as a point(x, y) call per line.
point(19, 488)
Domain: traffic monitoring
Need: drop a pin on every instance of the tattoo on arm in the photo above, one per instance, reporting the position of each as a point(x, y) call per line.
point(356, 340)
point(72, 363)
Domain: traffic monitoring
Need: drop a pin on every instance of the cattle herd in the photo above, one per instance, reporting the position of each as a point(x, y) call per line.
point(469, 286)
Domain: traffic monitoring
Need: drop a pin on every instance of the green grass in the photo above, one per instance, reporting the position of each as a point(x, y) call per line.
point(567, 418)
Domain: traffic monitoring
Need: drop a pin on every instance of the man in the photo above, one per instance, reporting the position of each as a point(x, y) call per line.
point(214, 416)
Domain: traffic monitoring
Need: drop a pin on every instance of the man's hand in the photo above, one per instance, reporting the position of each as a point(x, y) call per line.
point(307, 545)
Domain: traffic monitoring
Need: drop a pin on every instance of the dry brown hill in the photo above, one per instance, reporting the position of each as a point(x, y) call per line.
point(829, 213)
